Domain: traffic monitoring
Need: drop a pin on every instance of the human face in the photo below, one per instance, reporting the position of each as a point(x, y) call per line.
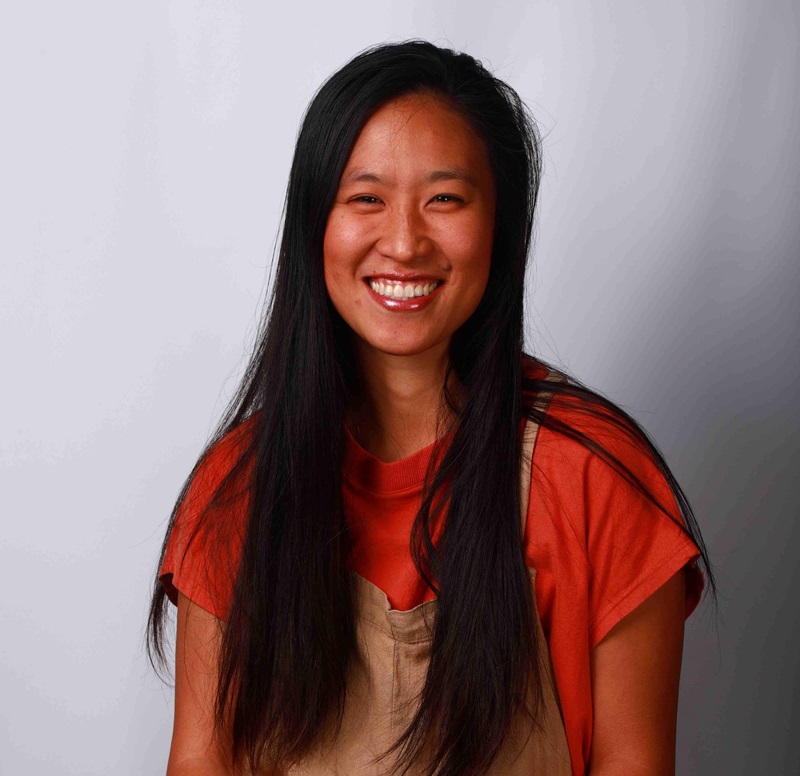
point(408, 242)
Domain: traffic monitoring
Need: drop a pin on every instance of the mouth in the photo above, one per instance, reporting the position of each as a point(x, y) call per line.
point(404, 294)
point(399, 289)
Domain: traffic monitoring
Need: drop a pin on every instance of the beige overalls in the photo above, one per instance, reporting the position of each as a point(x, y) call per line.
point(388, 674)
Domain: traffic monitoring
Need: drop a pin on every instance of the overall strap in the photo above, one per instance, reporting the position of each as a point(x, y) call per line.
point(529, 435)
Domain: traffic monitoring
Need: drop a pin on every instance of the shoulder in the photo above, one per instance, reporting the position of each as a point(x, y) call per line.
point(582, 432)
point(223, 468)
point(217, 490)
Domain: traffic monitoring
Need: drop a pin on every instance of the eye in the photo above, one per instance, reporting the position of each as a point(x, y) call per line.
point(446, 198)
point(366, 199)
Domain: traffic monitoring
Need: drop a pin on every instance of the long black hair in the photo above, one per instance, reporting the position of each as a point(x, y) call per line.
point(290, 633)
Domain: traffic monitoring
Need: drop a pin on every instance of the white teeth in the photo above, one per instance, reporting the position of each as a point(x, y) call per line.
point(397, 290)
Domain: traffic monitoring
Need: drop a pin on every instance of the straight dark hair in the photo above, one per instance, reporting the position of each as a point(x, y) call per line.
point(290, 633)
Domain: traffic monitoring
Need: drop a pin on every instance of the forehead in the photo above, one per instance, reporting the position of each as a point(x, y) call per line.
point(418, 133)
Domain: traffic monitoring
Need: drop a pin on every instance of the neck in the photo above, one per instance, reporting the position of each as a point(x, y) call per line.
point(400, 399)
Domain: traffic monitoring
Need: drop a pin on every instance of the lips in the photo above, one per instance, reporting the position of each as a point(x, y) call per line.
point(408, 293)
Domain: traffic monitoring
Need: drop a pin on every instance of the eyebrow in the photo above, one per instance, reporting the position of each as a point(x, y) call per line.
point(436, 176)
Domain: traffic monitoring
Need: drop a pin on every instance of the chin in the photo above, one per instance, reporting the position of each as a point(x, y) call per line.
point(393, 347)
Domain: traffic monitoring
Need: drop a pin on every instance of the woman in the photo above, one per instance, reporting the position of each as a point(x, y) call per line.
point(375, 569)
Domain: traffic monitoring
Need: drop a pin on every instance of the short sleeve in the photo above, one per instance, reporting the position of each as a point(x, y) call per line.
point(633, 547)
point(205, 542)
point(618, 546)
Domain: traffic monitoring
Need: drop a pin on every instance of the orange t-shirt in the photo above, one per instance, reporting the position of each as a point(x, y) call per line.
point(599, 548)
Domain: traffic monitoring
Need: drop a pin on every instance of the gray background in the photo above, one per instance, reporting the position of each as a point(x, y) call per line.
point(144, 154)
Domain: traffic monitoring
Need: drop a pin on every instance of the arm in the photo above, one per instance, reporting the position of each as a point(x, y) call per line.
point(635, 675)
point(195, 750)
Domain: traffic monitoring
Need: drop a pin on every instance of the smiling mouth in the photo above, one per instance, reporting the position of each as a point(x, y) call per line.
point(397, 289)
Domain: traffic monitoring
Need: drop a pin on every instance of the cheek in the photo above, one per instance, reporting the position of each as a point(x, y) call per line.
point(335, 254)
point(339, 259)
point(471, 254)
point(343, 238)
point(469, 240)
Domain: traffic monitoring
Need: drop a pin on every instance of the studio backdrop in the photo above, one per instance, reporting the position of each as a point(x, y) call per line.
point(143, 160)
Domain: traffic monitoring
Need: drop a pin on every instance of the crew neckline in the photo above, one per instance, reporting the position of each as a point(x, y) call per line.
point(365, 471)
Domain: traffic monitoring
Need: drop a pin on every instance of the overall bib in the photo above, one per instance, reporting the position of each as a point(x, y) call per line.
point(388, 673)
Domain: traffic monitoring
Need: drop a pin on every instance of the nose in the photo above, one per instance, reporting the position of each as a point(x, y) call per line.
point(404, 235)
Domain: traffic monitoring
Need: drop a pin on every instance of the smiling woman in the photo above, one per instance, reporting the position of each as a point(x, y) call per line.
point(411, 547)
point(412, 224)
